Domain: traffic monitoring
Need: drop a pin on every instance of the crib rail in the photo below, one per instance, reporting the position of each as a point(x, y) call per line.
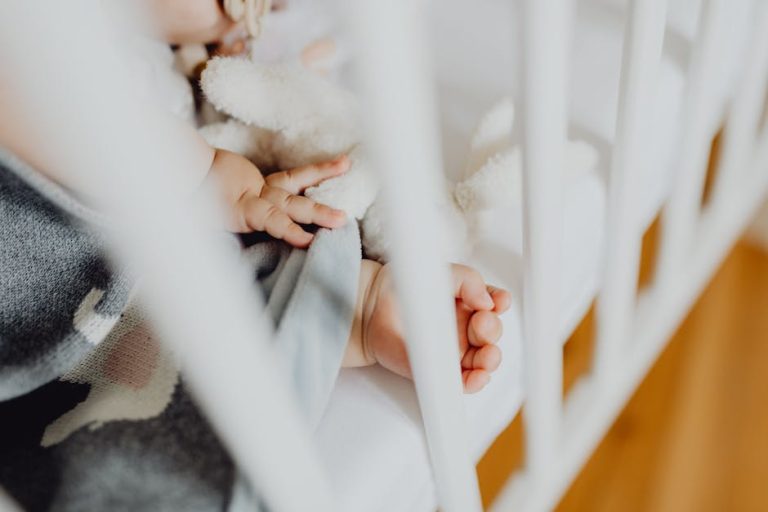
point(742, 124)
point(398, 93)
point(632, 333)
point(616, 301)
point(222, 345)
point(546, 30)
point(681, 211)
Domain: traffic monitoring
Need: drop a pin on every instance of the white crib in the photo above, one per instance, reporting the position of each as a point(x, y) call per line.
point(720, 83)
point(296, 470)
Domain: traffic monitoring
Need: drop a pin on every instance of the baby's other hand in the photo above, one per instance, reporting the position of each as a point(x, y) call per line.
point(318, 54)
point(188, 21)
point(274, 204)
point(477, 317)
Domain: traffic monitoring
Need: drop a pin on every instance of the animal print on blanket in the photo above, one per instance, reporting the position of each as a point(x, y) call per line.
point(131, 378)
point(93, 412)
point(58, 296)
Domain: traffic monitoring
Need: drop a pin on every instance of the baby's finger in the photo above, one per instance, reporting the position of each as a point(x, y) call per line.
point(501, 298)
point(487, 357)
point(469, 286)
point(297, 180)
point(304, 210)
point(484, 328)
point(475, 380)
point(463, 315)
point(261, 215)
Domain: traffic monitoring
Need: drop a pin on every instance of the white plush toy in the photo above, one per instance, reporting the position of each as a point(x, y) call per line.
point(283, 116)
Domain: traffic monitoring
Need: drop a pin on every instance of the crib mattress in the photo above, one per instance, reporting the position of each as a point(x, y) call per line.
point(371, 437)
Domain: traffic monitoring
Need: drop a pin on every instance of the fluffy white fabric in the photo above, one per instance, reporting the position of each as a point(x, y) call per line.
point(312, 118)
point(285, 116)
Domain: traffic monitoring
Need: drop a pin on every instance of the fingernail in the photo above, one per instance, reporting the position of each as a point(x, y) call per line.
point(342, 162)
point(489, 304)
point(340, 215)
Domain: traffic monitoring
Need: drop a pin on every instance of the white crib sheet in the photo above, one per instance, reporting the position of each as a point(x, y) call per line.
point(371, 437)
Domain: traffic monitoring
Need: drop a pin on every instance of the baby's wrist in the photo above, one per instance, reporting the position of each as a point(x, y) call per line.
point(357, 353)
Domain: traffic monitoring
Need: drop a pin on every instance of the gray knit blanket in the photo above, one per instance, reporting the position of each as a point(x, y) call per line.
point(94, 411)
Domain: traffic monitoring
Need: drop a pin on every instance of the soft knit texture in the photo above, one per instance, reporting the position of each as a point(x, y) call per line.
point(283, 116)
point(95, 413)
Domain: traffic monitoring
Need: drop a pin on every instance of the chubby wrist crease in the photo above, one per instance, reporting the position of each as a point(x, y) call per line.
point(358, 352)
point(369, 305)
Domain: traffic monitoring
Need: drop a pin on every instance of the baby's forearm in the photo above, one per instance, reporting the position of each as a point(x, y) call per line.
point(356, 354)
point(34, 138)
point(188, 21)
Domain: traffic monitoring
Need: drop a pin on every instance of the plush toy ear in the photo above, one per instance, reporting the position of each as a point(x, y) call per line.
point(283, 97)
point(492, 136)
point(498, 182)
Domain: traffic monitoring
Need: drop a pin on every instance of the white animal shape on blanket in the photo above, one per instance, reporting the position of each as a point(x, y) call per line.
point(132, 377)
point(284, 116)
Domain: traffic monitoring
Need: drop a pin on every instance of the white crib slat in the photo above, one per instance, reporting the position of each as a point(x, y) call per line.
point(399, 106)
point(743, 122)
point(193, 287)
point(546, 31)
point(680, 215)
point(589, 424)
point(643, 43)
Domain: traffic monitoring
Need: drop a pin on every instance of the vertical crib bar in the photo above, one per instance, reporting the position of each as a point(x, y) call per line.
point(680, 214)
point(643, 43)
point(400, 109)
point(743, 120)
point(546, 29)
point(196, 291)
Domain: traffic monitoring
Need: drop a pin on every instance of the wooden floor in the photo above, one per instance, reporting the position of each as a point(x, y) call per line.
point(695, 435)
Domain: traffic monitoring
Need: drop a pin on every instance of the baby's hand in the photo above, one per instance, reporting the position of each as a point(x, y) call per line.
point(381, 336)
point(274, 204)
